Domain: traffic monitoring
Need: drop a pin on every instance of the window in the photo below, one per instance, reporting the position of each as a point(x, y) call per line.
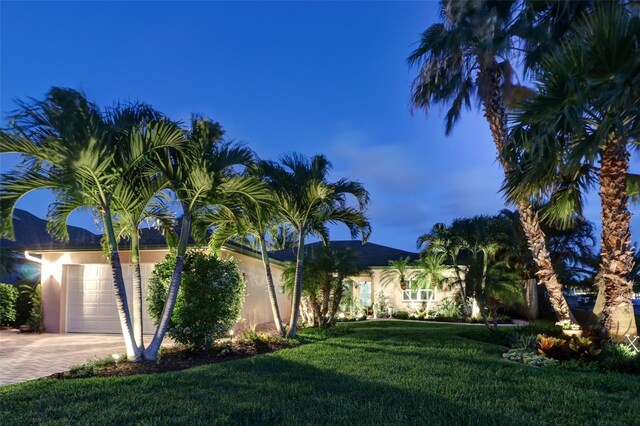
point(364, 296)
point(419, 295)
point(281, 289)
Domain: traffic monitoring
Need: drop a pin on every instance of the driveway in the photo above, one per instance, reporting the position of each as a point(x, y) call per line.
point(25, 356)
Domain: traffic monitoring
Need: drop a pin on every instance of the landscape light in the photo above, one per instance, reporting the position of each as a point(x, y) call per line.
point(115, 357)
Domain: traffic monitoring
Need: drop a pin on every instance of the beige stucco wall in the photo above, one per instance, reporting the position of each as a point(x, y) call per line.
point(393, 292)
point(256, 310)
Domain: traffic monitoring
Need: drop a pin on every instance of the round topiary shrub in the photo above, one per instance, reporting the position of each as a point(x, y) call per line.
point(209, 300)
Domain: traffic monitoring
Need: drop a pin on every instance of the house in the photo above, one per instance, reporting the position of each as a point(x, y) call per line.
point(369, 288)
point(77, 291)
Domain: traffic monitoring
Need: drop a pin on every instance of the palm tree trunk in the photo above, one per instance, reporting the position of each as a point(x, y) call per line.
point(119, 290)
point(297, 290)
point(494, 111)
point(616, 260)
point(151, 353)
point(270, 287)
point(137, 291)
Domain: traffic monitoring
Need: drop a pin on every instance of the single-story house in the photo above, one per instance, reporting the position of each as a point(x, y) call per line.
point(368, 288)
point(77, 291)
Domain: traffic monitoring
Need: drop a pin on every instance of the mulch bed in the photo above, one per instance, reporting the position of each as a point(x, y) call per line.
point(176, 358)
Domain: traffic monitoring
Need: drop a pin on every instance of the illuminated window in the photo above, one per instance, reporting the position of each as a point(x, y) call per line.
point(419, 295)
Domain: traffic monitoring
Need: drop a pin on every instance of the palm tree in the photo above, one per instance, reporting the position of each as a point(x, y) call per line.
point(442, 240)
point(308, 201)
point(325, 270)
point(203, 179)
point(432, 271)
point(72, 147)
point(249, 219)
point(400, 271)
point(586, 112)
point(464, 58)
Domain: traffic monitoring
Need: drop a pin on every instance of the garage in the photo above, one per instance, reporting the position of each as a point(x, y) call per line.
point(91, 306)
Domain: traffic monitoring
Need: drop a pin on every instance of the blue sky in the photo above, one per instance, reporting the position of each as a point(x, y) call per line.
point(312, 77)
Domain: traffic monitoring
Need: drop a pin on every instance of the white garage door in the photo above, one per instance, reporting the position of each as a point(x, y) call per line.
point(91, 306)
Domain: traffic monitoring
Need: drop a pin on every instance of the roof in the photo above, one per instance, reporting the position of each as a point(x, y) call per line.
point(31, 234)
point(369, 254)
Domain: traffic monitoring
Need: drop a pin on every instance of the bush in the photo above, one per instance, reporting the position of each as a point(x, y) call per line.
point(403, 315)
point(620, 358)
point(529, 357)
point(8, 299)
point(448, 309)
point(35, 317)
point(209, 300)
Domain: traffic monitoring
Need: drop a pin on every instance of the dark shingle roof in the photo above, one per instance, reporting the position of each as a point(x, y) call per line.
point(31, 234)
point(369, 254)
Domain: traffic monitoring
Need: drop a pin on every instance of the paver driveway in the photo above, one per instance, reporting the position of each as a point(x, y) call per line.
point(30, 356)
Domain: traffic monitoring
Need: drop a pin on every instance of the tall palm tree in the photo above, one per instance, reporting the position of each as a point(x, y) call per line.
point(248, 219)
point(308, 201)
point(587, 113)
point(467, 57)
point(72, 147)
point(204, 180)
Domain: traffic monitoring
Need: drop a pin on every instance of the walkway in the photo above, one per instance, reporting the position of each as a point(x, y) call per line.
point(26, 356)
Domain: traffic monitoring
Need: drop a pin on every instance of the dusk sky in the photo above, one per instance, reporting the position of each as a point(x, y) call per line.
point(286, 77)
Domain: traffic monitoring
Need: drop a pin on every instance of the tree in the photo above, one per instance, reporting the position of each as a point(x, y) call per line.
point(325, 270)
point(463, 58)
point(441, 240)
point(204, 180)
point(587, 112)
point(400, 271)
point(248, 219)
point(308, 201)
point(73, 148)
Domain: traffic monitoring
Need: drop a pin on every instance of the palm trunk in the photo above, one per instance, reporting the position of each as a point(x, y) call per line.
point(119, 290)
point(151, 353)
point(616, 260)
point(297, 290)
point(270, 287)
point(494, 111)
point(463, 290)
point(596, 315)
point(137, 291)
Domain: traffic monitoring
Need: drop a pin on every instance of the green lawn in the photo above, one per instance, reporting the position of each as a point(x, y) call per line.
point(382, 373)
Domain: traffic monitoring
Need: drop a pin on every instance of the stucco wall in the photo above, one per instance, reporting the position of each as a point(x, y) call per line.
point(393, 293)
point(256, 310)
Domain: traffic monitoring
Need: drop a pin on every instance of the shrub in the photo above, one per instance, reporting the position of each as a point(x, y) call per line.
point(8, 299)
point(529, 357)
point(446, 309)
point(521, 338)
point(620, 358)
point(35, 317)
point(209, 300)
point(401, 315)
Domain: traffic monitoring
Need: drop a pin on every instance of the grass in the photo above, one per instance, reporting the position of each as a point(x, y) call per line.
point(390, 372)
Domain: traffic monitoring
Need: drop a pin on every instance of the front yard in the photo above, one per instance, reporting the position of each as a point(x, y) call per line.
point(387, 372)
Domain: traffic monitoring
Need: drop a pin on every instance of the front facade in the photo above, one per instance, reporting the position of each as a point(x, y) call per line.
point(370, 288)
point(77, 290)
point(375, 293)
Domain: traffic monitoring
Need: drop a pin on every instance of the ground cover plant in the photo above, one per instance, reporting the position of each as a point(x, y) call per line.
point(382, 372)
